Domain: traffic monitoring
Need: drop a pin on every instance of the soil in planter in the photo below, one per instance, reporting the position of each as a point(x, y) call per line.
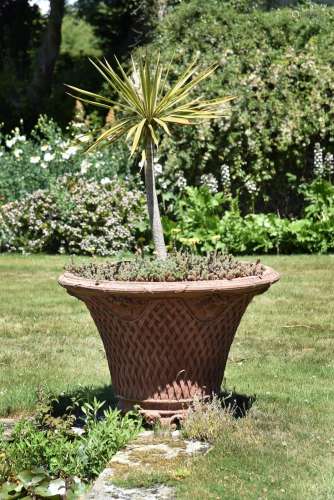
point(177, 267)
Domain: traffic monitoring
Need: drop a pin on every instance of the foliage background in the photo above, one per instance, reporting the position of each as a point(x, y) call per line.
point(279, 65)
point(258, 180)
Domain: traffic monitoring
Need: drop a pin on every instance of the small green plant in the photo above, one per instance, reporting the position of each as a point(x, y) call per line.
point(207, 420)
point(36, 483)
point(214, 421)
point(45, 454)
point(149, 107)
point(197, 223)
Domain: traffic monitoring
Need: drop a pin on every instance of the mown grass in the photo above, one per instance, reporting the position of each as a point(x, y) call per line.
point(283, 353)
point(47, 337)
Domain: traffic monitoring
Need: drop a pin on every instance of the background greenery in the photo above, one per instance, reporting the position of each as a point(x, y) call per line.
point(259, 180)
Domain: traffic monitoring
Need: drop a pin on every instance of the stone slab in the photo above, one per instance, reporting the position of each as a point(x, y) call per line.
point(143, 454)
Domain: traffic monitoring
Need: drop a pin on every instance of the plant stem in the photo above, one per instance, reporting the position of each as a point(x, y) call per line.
point(152, 203)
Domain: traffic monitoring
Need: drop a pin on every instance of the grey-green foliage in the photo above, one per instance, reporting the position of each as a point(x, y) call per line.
point(76, 216)
point(178, 267)
point(279, 65)
point(37, 483)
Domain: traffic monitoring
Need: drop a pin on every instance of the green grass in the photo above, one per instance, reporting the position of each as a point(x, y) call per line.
point(47, 337)
point(283, 353)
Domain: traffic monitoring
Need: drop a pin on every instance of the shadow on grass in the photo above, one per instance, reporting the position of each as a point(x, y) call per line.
point(72, 401)
point(238, 404)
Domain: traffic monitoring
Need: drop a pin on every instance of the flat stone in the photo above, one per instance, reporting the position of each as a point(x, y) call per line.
point(8, 424)
point(146, 434)
point(143, 454)
point(176, 434)
point(194, 447)
point(103, 489)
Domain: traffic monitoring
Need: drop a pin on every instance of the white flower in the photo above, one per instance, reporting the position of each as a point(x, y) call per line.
point(329, 162)
point(17, 153)
point(44, 165)
point(225, 178)
point(78, 124)
point(21, 138)
point(141, 163)
point(105, 181)
point(69, 152)
point(210, 182)
point(10, 142)
point(157, 168)
point(84, 166)
point(48, 157)
point(35, 159)
point(251, 186)
point(45, 147)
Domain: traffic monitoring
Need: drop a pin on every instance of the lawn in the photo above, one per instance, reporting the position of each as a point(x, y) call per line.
point(283, 353)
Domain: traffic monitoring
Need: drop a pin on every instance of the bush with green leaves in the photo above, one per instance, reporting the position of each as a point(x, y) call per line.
point(279, 66)
point(207, 222)
point(91, 218)
point(76, 216)
point(316, 230)
point(45, 448)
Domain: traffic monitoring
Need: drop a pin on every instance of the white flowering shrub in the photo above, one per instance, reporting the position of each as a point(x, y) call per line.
point(323, 167)
point(210, 182)
point(30, 164)
point(76, 216)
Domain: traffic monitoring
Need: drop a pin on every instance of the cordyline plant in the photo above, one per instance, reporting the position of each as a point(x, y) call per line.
point(148, 106)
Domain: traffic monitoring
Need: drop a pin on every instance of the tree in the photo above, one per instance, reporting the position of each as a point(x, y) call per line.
point(123, 24)
point(46, 59)
point(20, 27)
point(148, 108)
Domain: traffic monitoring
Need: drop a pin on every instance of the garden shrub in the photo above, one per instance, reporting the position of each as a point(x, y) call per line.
point(30, 164)
point(316, 231)
point(77, 216)
point(279, 66)
point(50, 444)
point(211, 221)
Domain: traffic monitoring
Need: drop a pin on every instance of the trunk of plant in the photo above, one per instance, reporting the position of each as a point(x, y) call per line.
point(40, 87)
point(152, 204)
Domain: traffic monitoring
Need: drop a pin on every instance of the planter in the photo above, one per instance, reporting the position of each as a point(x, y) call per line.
point(166, 342)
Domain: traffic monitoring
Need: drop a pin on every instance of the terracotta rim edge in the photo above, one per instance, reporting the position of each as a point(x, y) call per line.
point(245, 284)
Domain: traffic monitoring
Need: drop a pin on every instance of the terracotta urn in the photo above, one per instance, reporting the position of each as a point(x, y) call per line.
point(166, 342)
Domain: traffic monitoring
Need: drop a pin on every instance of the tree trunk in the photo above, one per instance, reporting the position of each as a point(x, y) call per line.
point(152, 204)
point(47, 56)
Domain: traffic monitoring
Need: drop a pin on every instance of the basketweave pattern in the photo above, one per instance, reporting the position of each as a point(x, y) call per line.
point(167, 349)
